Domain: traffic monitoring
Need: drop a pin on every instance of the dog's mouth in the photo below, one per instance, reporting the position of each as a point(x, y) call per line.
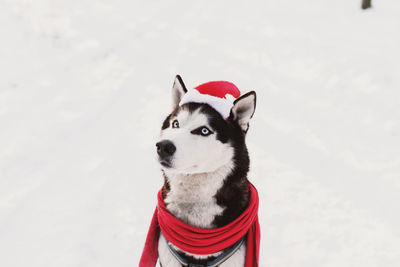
point(165, 163)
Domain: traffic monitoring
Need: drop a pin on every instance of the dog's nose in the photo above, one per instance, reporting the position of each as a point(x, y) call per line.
point(165, 148)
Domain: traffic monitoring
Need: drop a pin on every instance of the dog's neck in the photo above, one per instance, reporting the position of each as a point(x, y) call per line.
point(191, 197)
point(200, 199)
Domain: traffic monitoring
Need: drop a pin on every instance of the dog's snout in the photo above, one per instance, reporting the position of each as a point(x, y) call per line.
point(165, 148)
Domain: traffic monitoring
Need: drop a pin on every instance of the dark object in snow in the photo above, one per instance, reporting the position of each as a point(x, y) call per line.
point(366, 4)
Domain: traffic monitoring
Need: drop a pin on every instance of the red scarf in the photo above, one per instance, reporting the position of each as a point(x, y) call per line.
point(203, 241)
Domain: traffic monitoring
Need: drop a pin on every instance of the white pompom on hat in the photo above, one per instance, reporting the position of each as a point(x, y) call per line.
point(218, 94)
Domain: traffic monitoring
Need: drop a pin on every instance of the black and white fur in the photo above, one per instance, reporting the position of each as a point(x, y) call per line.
point(204, 161)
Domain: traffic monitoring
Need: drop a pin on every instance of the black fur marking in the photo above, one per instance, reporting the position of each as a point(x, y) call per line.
point(234, 194)
point(166, 123)
point(166, 187)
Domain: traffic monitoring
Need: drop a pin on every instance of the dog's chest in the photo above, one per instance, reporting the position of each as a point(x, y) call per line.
point(192, 199)
point(200, 214)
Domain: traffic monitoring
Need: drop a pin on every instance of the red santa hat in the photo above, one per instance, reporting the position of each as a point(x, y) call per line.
point(219, 95)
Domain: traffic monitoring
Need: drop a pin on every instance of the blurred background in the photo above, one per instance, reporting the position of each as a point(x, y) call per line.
point(85, 85)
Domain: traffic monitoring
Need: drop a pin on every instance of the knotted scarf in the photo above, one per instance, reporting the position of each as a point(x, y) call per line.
point(203, 241)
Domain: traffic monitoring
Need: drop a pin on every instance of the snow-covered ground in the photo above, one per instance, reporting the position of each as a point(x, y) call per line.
point(84, 86)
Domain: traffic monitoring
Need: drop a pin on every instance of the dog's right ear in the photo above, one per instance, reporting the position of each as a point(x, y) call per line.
point(178, 90)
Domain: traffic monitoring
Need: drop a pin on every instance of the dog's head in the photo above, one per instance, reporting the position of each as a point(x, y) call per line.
point(195, 138)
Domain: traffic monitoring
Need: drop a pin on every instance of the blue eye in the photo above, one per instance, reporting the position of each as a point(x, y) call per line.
point(175, 124)
point(204, 131)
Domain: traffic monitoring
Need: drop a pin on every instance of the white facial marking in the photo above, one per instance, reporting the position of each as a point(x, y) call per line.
point(195, 153)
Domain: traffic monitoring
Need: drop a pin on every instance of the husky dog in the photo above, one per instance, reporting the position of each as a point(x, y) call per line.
point(204, 161)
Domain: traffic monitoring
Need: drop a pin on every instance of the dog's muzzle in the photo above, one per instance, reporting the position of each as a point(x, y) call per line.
point(165, 151)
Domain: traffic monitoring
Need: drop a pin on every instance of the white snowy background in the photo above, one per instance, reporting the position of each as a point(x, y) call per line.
point(85, 85)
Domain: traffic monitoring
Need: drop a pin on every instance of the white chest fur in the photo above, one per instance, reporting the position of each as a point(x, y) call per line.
point(192, 197)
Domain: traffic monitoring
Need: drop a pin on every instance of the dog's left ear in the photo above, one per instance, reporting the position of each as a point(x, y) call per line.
point(243, 110)
point(178, 90)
